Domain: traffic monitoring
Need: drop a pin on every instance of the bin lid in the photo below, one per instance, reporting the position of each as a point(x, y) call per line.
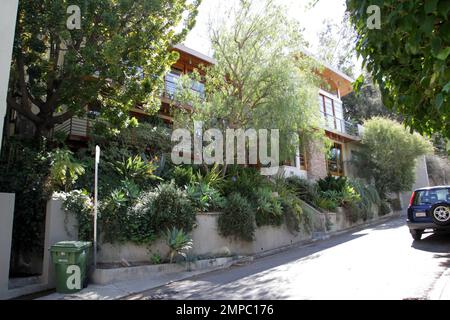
point(70, 246)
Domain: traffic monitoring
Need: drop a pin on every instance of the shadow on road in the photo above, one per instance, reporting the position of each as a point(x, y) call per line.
point(257, 280)
point(436, 242)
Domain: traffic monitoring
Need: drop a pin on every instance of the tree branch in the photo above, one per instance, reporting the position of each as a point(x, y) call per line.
point(23, 111)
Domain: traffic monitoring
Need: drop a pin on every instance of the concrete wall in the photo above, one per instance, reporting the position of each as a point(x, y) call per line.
point(206, 237)
point(207, 242)
point(6, 225)
point(58, 227)
point(8, 15)
point(420, 182)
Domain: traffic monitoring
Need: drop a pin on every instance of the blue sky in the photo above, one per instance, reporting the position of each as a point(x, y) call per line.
point(311, 20)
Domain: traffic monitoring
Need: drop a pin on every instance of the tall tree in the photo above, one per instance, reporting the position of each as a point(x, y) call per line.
point(367, 103)
point(260, 79)
point(337, 45)
point(114, 58)
point(408, 57)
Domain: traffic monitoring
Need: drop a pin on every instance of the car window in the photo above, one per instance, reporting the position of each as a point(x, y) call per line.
point(432, 196)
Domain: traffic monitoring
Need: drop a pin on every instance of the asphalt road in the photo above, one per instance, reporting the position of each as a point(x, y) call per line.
point(380, 262)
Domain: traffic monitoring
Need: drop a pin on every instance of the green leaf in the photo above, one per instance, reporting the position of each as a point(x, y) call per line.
point(430, 6)
point(447, 87)
point(428, 24)
point(443, 54)
point(439, 100)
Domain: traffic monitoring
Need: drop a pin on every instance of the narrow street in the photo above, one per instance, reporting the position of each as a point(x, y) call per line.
point(380, 262)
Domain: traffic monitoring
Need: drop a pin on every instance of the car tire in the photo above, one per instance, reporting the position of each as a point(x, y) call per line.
point(416, 234)
point(440, 213)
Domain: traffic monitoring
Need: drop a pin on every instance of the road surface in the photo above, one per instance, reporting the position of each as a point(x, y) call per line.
point(379, 262)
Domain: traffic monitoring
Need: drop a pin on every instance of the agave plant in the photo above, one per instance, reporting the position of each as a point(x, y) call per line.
point(179, 242)
point(135, 168)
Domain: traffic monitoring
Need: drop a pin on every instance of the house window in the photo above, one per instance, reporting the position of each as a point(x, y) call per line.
point(333, 113)
point(335, 161)
point(172, 80)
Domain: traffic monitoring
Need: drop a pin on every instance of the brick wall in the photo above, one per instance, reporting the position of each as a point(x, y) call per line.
point(317, 166)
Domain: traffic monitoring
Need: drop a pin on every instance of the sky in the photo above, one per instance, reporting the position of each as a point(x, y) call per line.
point(310, 19)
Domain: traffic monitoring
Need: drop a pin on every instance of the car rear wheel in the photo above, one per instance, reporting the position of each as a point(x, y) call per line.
point(416, 234)
point(440, 213)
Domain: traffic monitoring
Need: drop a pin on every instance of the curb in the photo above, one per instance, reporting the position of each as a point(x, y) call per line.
point(327, 236)
point(123, 289)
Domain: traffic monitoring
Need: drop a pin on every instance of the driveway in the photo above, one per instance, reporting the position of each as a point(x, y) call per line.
point(380, 262)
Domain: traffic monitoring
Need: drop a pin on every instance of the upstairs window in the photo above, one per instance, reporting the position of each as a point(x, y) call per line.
point(332, 112)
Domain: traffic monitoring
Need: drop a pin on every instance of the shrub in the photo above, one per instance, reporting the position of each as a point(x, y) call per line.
point(156, 258)
point(294, 215)
point(213, 177)
point(326, 204)
point(204, 197)
point(385, 208)
point(269, 210)
point(238, 218)
point(64, 169)
point(25, 171)
point(167, 206)
point(243, 181)
point(331, 183)
point(135, 169)
point(183, 176)
point(388, 155)
point(304, 189)
point(79, 203)
point(140, 220)
point(178, 242)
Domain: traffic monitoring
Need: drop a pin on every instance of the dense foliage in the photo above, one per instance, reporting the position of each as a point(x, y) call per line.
point(238, 218)
point(25, 171)
point(409, 58)
point(259, 79)
point(388, 155)
point(114, 61)
point(367, 103)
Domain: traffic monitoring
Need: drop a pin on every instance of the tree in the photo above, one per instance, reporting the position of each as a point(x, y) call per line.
point(260, 79)
point(115, 60)
point(409, 58)
point(367, 103)
point(388, 153)
point(337, 45)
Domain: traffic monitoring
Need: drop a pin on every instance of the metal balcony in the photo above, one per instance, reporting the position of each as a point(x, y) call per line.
point(340, 125)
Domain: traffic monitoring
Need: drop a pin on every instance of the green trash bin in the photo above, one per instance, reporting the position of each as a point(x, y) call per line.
point(71, 260)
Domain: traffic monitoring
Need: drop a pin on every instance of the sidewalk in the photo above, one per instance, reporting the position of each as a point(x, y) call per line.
point(122, 289)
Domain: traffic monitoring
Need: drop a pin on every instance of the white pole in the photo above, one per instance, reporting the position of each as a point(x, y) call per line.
point(97, 160)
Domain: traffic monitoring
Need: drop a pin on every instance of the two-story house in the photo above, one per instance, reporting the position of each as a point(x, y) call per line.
point(311, 162)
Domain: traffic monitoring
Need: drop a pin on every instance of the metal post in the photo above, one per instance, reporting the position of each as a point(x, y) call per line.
point(97, 160)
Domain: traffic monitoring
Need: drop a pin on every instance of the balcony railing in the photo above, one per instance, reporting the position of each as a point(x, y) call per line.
point(74, 127)
point(340, 125)
point(172, 85)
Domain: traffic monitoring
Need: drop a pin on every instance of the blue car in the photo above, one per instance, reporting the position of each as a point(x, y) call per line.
point(429, 208)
